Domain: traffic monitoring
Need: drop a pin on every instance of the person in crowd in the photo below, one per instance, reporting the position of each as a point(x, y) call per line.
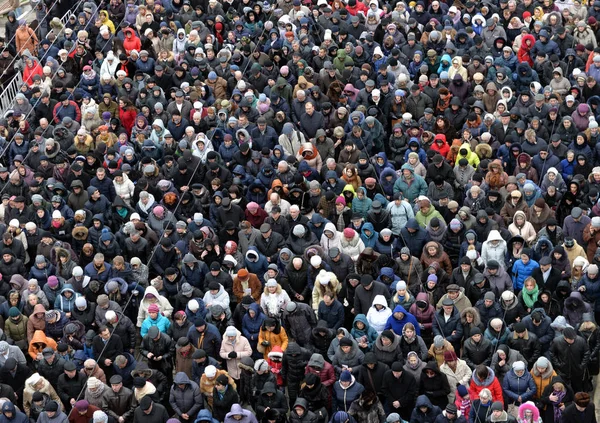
point(197, 196)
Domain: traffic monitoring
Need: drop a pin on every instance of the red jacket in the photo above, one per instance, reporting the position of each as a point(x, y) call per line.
point(127, 119)
point(490, 383)
point(132, 43)
point(443, 148)
point(360, 7)
point(524, 55)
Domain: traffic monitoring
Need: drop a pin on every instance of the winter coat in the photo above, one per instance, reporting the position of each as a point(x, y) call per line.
point(344, 397)
point(397, 325)
point(460, 376)
point(378, 318)
point(390, 353)
point(241, 347)
point(187, 400)
point(477, 353)
point(436, 388)
point(518, 386)
point(491, 383)
point(446, 328)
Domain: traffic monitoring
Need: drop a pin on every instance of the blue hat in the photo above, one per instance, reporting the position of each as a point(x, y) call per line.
point(212, 75)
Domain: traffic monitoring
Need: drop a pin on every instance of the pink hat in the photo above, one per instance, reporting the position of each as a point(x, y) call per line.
point(52, 281)
point(340, 200)
point(153, 308)
point(252, 206)
point(349, 233)
point(158, 210)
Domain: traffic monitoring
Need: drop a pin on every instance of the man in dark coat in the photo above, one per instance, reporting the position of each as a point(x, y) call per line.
point(524, 342)
point(269, 243)
point(70, 385)
point(150, 412)
point(120, 400)
point(107, 348)
point(299, 319)
point(371, 373)
point(570, 354)
point(366, 293)
point(400, 389)
point(295, 360)
point(448, 325)
point(15, 375)
point(51, 366)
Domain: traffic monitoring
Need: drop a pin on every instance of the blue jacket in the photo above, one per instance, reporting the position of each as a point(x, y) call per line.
point(91, 271)
point(418, 416)
point(413, 241)
point(125, 372)
point(370, 333)
point(161, 322)
point(417, 187)
point(42, 274)
point(267, 139)
point(387, 185)
point(548, 48)
point(515, 387)
point(18, 416)
point(369, 241)
point(592, 290)
point(522, 271)
point(333, 314)
point(343, 398)
point(258, 267)
point(397, 325)
point(544, 331)
point(386, 163)
point(15, 150)
point(63, 303)
point(251, 326)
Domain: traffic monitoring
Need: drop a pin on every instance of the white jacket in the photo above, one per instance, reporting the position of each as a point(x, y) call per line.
point(165, 306)
point(329, 243)
point(378, 319)
point(125, 189)
point(353, 247)
point(491, 252)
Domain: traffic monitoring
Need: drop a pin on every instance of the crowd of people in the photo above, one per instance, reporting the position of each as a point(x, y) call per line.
point(301, 211)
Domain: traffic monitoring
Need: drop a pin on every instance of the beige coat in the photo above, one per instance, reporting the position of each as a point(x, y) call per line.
point(241, 346)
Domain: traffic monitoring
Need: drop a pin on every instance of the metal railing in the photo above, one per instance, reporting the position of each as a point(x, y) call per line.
point(9, 92)
point(66, 17)
point(13, 87)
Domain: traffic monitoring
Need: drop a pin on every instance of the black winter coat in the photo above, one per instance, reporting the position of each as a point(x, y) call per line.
point(530, 346)
point(372, 380)
point(51, 371)
point(222, 406)
point(436, 388)
point(276, 401)
point(295, 360)
point(158, 414)
point(68, 388)
point(298, 324)
point(569, 360)
point(475, 354)
point(402, 389)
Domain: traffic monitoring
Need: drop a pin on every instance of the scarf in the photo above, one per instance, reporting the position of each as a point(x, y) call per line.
point(530, 297)
point(413, 366)
point(98, 392)
point(146, 207)
point(556, 405)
